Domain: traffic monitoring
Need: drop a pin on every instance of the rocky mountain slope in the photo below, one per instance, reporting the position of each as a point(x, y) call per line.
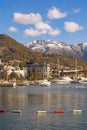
point(51, 47)
point(10, 49)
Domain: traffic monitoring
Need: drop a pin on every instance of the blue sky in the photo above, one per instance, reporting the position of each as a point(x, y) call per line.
point(59, 20)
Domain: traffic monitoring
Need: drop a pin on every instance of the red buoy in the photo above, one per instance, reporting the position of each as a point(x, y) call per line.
point(2, 111)
point(59, 111)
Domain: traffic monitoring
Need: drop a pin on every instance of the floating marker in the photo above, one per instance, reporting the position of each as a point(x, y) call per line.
point(2, 111)
point(77, 111)
point(59, 111)
point(41, 112)
point(16, 111)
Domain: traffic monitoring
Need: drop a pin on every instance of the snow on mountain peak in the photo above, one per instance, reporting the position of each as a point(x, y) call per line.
point(50, 46)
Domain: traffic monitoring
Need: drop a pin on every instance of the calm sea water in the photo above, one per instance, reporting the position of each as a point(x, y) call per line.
point(33, 98)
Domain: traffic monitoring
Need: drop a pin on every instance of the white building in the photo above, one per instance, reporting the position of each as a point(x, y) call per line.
point(11, 69)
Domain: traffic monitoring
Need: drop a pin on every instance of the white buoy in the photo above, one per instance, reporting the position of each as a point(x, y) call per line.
point(78, 111)
point(16, 111)
point(41, 112)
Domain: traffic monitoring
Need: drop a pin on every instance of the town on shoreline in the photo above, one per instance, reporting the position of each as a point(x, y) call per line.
point(31, 71)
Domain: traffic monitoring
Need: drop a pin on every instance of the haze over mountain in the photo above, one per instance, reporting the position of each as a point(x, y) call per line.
point(51, 47)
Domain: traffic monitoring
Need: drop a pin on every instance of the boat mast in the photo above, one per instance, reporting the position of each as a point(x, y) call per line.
point(58, 68)
point(76, 68)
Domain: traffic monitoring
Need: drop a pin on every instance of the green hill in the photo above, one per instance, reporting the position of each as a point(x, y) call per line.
point(10, 49)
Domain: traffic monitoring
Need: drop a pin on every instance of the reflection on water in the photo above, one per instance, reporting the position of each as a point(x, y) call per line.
point(13, 99)
point(33, 98)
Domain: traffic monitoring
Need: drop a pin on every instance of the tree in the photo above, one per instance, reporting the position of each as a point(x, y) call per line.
point(13, 75)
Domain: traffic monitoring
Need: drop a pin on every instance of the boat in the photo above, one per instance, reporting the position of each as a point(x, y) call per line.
point(65, 80)
point(7, 84)
point(82, 80)
point(44, 82)
point(24, 83)
point(62, 80)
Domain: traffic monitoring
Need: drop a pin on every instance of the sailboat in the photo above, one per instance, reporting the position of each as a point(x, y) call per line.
point(63, 80)
point(80, 79)
point(77, 79)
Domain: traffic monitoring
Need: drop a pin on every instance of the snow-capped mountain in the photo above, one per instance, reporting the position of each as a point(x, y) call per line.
point(50, 46)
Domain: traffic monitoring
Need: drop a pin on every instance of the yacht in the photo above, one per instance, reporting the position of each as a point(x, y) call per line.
point(82, 80)
point(64, 80)
point(44, 82)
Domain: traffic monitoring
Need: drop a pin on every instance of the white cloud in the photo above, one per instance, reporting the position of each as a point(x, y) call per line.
point(39, 27)
point(12, 29)
point(54, 32)
point(76, 10)
point(33, 32)
point(47, 28)
point(42, 25)
point(55, 13)
point(72, 27)
point(31, 18)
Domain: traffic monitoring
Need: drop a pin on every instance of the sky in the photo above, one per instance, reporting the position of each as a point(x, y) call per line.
point(58, 20)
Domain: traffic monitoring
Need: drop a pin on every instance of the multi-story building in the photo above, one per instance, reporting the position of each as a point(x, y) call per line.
point(41, 69)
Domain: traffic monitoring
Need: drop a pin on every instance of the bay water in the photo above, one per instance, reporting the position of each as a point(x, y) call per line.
point(34, 98)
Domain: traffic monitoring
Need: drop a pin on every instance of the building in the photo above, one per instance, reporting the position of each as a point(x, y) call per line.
point(40, 70)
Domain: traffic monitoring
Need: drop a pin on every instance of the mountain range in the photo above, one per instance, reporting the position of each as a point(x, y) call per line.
point(10, 49)
point(78, 50)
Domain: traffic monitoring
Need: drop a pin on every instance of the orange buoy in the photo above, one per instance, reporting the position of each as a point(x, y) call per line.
point(59, 111)
point(2, 111)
